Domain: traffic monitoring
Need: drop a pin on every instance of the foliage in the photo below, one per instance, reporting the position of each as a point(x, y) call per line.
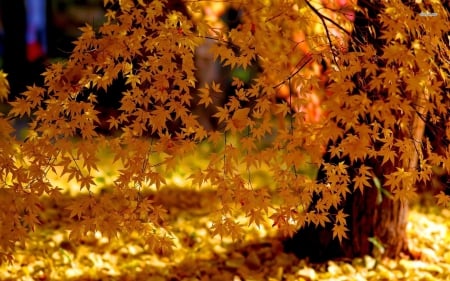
point(50, 255)
point(153, 50)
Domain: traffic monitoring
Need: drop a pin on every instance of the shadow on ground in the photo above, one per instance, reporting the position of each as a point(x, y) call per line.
point(49, 255)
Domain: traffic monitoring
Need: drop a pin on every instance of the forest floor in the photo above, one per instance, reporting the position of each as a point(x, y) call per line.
point(48, 254)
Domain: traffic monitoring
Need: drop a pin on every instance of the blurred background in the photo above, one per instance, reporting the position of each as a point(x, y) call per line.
point(36, 32)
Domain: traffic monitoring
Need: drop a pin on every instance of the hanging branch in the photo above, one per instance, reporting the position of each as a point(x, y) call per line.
point(322, 18)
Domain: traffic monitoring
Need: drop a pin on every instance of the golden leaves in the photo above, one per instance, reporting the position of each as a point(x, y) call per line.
point(239, 121)
point(227, 227)
point(374, 95)
point(363, 178)
point(21, 107)
point(205, 93)
point(339, 231)
point(443, 199)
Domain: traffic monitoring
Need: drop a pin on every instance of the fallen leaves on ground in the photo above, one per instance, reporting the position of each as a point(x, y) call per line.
point(49, 255)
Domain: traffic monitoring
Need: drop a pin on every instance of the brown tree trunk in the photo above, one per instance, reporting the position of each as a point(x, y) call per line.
point(377, 224)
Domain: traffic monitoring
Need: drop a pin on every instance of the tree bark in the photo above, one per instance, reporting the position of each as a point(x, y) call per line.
point(377, 224)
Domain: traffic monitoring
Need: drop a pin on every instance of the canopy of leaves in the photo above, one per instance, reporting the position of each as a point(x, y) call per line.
point(153, 50)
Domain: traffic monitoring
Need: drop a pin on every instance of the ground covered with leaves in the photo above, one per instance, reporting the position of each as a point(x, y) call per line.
point(50, 255)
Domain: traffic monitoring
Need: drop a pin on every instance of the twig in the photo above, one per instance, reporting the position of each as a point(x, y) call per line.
point(308, 60)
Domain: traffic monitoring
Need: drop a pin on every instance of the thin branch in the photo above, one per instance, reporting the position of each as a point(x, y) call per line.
point(291, 129)
point(308, 60)
point(323, 18)
point(233, 46)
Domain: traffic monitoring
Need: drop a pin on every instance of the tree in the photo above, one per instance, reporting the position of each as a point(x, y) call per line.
point(380, 83)
point(376, 98)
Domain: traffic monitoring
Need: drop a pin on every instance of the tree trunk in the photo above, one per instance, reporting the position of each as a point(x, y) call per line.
point(377, 224)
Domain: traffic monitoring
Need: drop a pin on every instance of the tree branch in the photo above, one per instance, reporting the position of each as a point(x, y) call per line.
point(308, 60)
point(323, 18)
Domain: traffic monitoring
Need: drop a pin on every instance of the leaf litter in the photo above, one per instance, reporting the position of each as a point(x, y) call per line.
point(48, 254)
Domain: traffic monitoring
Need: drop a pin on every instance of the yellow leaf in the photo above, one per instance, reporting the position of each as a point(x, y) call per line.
point(340, 231)
point(20, 107)
point(340, 217)
point(443, 199)
point(205, 96)
point(360, 181)
point(222, 114)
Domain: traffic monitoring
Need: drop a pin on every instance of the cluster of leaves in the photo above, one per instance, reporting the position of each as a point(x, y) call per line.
point(50, 255)
point(152, 49)
point(382, 101)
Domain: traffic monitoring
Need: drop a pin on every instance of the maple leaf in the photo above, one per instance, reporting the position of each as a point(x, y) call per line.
point(443, 199)
point(216, 87)
point(86, 182)
point(222, 114)
point(165, 245)
point(360, 182)
point(205, 96)
point(340, 217)
point(159, 117)
point(248, 144)
point(340, 231)
point(239, 120)
point(335, 151)
point(156, 178)
point(76, 209)
point(388, 155)
point(282, 109)
point(255, 217)
point(219, 228)
point(197, 178)
point(233, 104)
point(20, 107)
point(4, 86)
point(238, 83)
point(342, 167)
point(321, 218)
point(31, 220)
point(113, 123)
point(158, 214)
